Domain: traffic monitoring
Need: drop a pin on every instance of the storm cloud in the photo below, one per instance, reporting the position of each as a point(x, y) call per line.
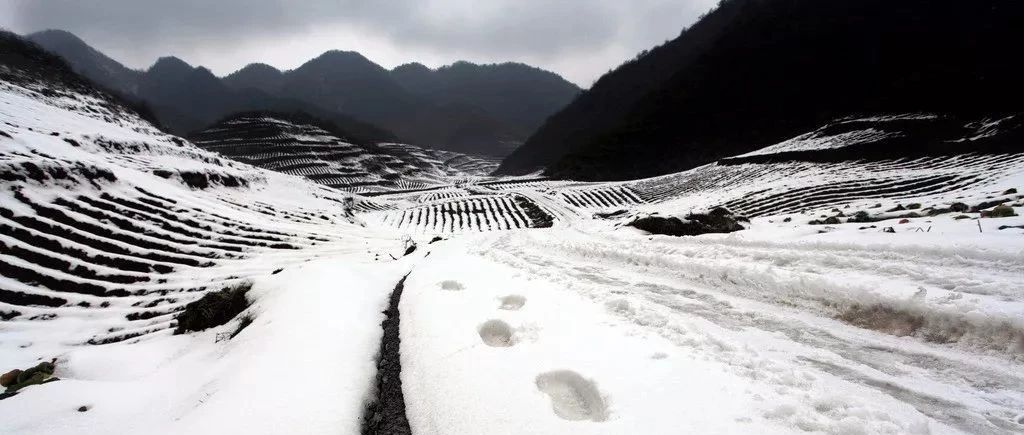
point(580, 39)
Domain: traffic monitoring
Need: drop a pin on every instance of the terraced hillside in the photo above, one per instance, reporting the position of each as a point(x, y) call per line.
point(300, 147)
point(112, 225)
point(849, 163)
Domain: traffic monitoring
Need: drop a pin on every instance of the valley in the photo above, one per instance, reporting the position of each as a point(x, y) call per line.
point(280, 266)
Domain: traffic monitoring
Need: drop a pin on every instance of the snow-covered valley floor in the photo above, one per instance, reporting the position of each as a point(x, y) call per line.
point(563, 331)
point(566, 332)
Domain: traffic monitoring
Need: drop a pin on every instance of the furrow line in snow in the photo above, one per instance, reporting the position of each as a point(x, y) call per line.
point(386, 415)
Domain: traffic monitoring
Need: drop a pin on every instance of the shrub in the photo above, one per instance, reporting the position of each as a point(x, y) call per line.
point(832, 221)
point(718, 220)
point(214, 309)
point(1001, 211)
point(959, 207)
point(860, 216)
point(913, 206)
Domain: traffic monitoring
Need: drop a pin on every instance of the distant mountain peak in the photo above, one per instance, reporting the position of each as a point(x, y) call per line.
point(57, 34)
point(87, 61)
point(257, 68)
point(258, 76)
point(411, 67)
point(170, 64)
point(333, 56)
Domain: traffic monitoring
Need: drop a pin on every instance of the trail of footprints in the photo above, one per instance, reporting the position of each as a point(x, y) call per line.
point(573, 397)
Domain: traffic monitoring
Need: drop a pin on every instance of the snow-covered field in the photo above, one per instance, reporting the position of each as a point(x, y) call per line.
point(528, 307)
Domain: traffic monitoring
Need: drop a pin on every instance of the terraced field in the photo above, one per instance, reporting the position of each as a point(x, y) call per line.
point(303, 149)
point(780, 188)
point(470, 213)
point(750, 189)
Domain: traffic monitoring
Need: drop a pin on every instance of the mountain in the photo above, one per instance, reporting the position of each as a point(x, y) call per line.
point(754, 72)
point(87, 61)
point(520, 95)
point(258, 76)
point(186, 98)
point(480, 109)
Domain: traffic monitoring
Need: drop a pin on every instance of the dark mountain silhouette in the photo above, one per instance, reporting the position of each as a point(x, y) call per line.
point(24, 62)
point(347, 82)
point(87, 61)
point(753, 72)
point(480, 109)
point(258, 76)
point(517, 94)
point(483, 109)
point(186, 98)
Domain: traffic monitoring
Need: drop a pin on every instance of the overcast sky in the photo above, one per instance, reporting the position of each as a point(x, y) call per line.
point(579, 39)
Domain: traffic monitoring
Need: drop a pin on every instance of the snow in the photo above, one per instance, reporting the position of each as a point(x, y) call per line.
point(306, 364)
point(587, 327)
point(598, 356)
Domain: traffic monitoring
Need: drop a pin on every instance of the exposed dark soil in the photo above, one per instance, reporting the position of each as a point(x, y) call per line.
point(386, 415)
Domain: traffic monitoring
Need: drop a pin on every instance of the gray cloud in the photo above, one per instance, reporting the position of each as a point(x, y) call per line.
point(577, 38)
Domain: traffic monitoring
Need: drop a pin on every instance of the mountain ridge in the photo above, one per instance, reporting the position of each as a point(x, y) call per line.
point(721, 88)
point(344, 83)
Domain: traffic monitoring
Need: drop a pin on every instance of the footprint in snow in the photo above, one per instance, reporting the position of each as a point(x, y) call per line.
point(512, 302)
point(496, 333)
point(452, 285)
point(619, 306)
point(573, 397)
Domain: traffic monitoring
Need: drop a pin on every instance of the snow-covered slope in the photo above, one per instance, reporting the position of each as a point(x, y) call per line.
point(108, 228)
point(297, 148)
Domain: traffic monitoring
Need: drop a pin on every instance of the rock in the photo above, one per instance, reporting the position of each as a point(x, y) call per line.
point(959, 207)
point(904, 221)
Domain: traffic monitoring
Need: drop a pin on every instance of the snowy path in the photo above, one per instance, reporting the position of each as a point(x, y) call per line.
point(752, 334)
